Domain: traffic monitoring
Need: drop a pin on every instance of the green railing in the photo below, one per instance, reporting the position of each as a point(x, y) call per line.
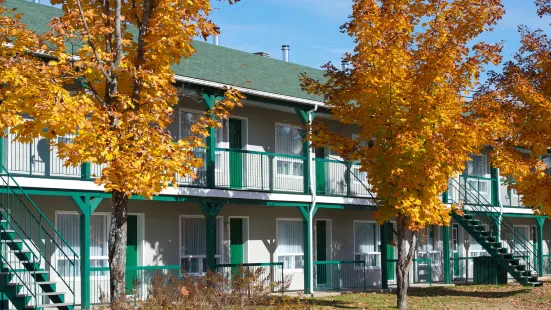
point(422, 270)
point(479, 206)
point(138, 281)
point(267, 276)
point(471, 190)
point(340, 178)
point(340, 275)
point(30, 243)
point(250, 170)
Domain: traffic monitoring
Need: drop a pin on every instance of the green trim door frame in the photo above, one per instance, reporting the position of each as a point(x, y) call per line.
point(131, 251)
point(85, 206)
point(238, 238)
point(323, 249)
point(236, 158)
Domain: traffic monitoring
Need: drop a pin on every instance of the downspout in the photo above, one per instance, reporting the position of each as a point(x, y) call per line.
point(500, 216)
point(312, 205)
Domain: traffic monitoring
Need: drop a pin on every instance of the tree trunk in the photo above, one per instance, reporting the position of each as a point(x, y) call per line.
point(117, 247)
point(406, 248)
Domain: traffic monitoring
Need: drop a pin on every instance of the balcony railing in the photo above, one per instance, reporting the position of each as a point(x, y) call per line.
point(249, 170)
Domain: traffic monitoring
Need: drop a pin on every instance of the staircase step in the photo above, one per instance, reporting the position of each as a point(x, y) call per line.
point(43, 294)
point(467, 217)
point(485, 233)
point(514, 262)
point(39, 283)
point(49, 306)
point(4, 273)
point(474, 222)
point(521, 267)
point(497, 245)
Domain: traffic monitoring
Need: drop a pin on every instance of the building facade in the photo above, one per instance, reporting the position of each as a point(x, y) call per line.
point(263, 198)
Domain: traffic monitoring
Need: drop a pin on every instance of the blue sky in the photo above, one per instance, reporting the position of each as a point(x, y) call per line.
point(311, 27)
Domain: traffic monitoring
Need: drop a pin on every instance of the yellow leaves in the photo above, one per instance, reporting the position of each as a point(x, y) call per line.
point(405, 90)
point(123, 124)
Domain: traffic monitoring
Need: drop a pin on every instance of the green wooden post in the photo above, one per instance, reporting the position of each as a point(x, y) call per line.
point(445, 196)
point(304, 119)
point(2, 141)
point(307, 235)
point(210, 101)
point(494, 184)
point(447, 271)
point(85, 171)
point(85, 207)
point(210, 211)
point(384, 255)
point(540, 221)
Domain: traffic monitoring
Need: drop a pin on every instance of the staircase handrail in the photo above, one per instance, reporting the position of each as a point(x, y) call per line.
point(2, 168)
point(484, 215)
point(58, 247)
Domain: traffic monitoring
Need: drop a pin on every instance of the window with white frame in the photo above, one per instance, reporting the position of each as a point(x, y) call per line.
point(367, 243)
point(193, 244)
point(187, 119)
point(475, 249)
point(68, 225)
point(290, 244)
point(428, 247)
point(289, 142)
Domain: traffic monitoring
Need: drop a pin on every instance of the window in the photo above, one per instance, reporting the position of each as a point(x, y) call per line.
point(189, 118)
point(366, 243)
point(475, 249)
point(429, 246)
point(289, 142)
point(193, 244)
point(290, 244)
point(478, 166)
point(68, 225)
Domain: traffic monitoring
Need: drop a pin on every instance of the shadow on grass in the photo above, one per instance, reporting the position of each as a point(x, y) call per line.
point(449, 291)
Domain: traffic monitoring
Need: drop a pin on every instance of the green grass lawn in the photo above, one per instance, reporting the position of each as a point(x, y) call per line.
point(450, 297)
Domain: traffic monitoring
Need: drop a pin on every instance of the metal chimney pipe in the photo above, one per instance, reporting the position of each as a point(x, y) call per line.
point(344, 65)
point(215, 39)
point(285, 49)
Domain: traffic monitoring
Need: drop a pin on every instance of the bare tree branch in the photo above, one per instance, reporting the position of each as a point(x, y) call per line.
point(91, 43)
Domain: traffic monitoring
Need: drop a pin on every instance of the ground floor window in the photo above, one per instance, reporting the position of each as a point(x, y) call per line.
point(193, 244)
point(68, 225)
point(367, 243)
point(290, 244)
point(429, 249)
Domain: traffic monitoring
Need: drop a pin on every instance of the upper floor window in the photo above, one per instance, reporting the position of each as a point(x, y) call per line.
point(478, 166)
point(188, 118)
point(289, 142)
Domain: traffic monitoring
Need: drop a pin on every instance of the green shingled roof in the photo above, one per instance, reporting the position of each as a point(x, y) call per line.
point(211, 63)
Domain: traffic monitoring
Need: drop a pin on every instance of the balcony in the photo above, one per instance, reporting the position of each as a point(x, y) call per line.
point(235, 169)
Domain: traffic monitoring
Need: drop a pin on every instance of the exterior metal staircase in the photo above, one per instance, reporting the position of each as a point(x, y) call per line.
point(37, 266)
point(511, 250)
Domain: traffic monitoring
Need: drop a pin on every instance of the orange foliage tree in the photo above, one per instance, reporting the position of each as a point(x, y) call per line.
point(517, 102)
point(411, 67)
point(115, 93)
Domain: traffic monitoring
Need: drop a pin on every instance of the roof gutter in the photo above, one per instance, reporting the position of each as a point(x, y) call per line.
point(249, 91)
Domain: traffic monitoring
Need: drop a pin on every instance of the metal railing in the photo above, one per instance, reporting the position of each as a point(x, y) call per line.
point(38, 158)
point(267, 276)
point(251, 170)
point(421, 270)
point(488, 214)
point(340, 178)
point(31, 244)
point(138, 281)
point(340, 275)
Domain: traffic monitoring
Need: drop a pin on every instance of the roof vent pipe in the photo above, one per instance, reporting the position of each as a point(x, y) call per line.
point(344, 65)
point(285, 49)
point(215, 39)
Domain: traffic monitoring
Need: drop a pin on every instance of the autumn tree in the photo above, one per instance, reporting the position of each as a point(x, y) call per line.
point(518, 102)
point(412, 65)
point(115, 93)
